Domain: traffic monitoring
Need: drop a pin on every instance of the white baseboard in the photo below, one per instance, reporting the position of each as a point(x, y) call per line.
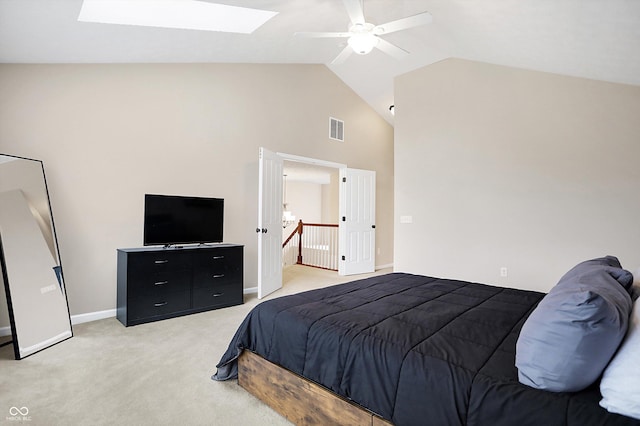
point(388, 265)
point(92, 316)
point(75, 319)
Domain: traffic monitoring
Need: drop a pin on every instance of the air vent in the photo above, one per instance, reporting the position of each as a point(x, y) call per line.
point(336, 129)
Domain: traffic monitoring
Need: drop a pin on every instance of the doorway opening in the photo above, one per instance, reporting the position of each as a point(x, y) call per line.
point(311, 196)
point(356, 215)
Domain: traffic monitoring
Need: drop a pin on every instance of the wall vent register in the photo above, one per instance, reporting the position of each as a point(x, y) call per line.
point(336, 129)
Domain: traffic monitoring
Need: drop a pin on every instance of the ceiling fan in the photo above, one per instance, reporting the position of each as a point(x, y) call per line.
point(363, 36)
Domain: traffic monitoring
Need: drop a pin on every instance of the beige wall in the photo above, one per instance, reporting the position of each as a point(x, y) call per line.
point(305, 201)
point(505, 167)
point(108, 134)
point(331, 201)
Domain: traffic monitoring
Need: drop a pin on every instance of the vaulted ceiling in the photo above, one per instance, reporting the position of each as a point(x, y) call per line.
point(594, 39)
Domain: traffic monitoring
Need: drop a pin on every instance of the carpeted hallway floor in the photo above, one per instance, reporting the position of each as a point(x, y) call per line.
point(150, 374)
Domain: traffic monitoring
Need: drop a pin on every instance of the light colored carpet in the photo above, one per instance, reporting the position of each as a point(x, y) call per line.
point(150, 374)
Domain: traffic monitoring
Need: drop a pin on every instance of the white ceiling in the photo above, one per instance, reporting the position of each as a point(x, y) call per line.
point(598, 39)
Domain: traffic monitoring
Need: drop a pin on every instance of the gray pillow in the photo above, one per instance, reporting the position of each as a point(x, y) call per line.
point(575, 330)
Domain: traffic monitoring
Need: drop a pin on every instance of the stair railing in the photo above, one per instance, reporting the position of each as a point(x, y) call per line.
point(312, 244)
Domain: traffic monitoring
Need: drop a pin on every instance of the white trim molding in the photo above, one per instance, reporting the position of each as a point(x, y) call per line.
point(307, 160)
point(92, 316)
point(75, 319)
point(388, 265)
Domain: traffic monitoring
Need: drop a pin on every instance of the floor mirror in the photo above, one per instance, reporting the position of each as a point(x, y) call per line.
point(36, 301)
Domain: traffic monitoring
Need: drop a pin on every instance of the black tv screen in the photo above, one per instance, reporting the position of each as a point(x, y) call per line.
point(170, 219)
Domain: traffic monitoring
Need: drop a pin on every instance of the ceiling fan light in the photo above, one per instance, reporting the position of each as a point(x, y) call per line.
point(362, 43)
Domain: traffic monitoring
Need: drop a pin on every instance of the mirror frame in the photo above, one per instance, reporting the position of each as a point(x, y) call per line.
point(58, 271)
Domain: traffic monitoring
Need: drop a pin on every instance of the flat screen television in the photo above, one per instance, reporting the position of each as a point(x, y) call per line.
point(171, 219)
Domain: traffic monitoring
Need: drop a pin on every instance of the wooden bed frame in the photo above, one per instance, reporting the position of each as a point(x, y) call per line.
point(297, 399)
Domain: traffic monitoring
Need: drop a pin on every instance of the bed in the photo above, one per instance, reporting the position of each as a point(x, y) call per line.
point(403, 349)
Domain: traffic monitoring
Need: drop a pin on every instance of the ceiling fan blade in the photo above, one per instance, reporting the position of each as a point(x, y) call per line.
point(404, 23)
point(391, 49)
point(346, 52)
point(321, 34)
point(355, 11)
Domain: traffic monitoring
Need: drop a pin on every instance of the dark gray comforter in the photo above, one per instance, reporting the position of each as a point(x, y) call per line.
point(415, 350)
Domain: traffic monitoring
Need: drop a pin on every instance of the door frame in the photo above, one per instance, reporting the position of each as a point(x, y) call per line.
point(343, 170)
point(313, 161)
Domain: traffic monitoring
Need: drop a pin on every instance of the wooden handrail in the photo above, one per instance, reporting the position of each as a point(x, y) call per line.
point(298, 229)
point(328, 225)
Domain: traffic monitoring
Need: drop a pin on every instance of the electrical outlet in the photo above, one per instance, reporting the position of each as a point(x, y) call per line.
point(503, 271)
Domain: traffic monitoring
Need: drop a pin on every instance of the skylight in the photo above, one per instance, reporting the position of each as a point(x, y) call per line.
point(183, 14)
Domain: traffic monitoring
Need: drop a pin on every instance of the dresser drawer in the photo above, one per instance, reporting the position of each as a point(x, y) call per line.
point(141, 264)
point(217, 267)
point(218, 295)
point(150, 283)
point(146, 307)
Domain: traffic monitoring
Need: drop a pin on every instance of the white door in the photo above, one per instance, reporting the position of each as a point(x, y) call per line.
point(357, 221)
point(269, 223)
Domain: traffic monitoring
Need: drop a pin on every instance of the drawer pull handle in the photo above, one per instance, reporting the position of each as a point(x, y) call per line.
point(159, 262)
point(157, 305)
point(161, 283)
point(218, 276)
point(218, 294)
point(218, 257)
